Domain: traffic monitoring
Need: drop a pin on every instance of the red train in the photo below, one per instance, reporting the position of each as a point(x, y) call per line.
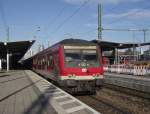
point(74, 64)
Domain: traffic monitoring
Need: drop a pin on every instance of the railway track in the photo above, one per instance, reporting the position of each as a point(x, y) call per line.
point(102, 105)
point(134, 92)
point(109, 101)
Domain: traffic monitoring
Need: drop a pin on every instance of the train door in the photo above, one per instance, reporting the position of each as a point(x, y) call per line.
point(56, 64)
point(45, 65)
point(50, 63)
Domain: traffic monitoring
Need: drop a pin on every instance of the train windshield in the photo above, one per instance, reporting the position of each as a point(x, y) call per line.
point(89, 55)
point(81, 58)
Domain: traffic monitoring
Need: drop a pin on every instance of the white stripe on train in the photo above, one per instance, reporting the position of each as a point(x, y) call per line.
point(81, 77)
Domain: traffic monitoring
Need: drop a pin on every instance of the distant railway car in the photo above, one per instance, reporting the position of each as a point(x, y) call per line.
point(73, 64)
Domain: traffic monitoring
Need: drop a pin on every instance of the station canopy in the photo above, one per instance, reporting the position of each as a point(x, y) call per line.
point(109, 45)
point(18, 48)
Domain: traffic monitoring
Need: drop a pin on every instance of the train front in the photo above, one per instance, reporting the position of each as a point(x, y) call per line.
point(81, 67)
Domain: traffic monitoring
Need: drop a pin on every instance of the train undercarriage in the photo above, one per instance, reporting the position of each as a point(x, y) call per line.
point(81, 86)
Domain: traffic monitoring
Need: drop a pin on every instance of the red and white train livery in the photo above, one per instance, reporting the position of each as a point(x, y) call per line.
point(72, 63)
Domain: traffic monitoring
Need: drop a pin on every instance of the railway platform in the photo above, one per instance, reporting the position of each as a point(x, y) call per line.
point(25, 92)
point(139, 83)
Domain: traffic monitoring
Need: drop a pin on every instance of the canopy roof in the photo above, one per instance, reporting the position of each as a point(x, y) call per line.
point(18, 48)
point(107, 44)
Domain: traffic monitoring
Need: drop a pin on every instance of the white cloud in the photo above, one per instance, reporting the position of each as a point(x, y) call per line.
point(131, 14)
point(101, 1)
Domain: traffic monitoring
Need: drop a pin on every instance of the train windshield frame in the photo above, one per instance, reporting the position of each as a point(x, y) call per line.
point(81, 56)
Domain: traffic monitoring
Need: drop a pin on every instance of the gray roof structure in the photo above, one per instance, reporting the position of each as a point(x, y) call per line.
point(18, 48)
point(108, 44)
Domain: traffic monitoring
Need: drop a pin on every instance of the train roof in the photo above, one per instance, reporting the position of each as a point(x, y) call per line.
point(76, 41)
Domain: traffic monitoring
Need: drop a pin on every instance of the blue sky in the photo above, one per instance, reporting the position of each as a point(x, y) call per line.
point(43, 18)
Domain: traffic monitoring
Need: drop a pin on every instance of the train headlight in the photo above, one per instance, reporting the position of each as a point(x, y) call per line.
point(93, 74)
point(98, 74)
point(71, 75)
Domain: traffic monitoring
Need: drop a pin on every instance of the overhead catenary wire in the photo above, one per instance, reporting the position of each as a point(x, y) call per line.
point(95, 29)
point(71, 16)
point(68, 18)
point(50, 23)
point(56, 17)
point(120, 19)
point(124, 29)
point(133, 30)
point(134, 13)
point(53, 21)
point(130, 14)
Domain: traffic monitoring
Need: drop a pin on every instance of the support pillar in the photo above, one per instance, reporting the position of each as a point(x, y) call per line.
point(7, 62)
point(116, 55)
point(0, 64)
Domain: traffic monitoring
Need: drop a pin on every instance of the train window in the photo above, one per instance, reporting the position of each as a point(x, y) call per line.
point(34, 61)
point(56, 58)
point(50, 61)
point(47, 61)
point(41, 62)
point(44, 61)
point(89, 55)
point(37, 61)
point(72, 55)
